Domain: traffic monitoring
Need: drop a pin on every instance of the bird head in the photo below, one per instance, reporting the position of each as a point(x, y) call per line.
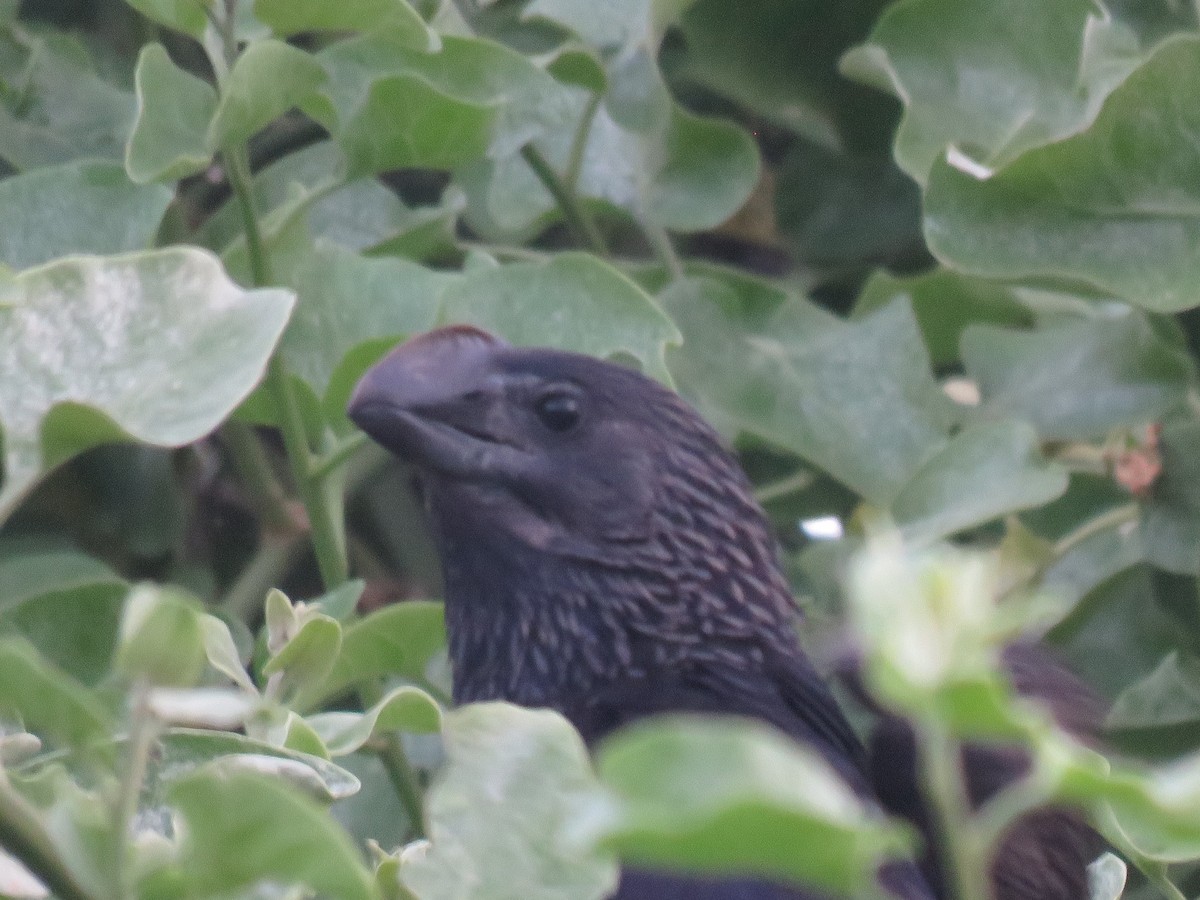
point(555, 449)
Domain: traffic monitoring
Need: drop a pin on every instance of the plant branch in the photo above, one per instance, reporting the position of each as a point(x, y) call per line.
point(664, 248)
point(577, 217)
point(395, 761)
point(326, 534)
point(24, 836)
point(142, 731)
point(963, 855)
point(254, 471)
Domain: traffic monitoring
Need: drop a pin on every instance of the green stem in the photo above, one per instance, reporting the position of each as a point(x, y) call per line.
point(254, 471)
point(24, 836)
point(326, 535)
point(404, 781)
point(142, 732)
point(790, 484)
point(579, 143)
point(577, 217)
point(327, 540)
point(332, 460)
point(1157, 873)
point(664, 248)
point(1113, 518)
point(996, 816)
point(395, 762)
point(274, 557)
point(963, 856)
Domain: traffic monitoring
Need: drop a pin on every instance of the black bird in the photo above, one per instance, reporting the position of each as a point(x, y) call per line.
point(603, 556)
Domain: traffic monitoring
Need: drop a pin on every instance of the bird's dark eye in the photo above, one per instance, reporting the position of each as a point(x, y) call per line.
point(558, 411)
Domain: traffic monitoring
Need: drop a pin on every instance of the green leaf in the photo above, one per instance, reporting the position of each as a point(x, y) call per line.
point(985, 471)
point(526, 303)
point(397, 640)
point(308, 656)
point(160, 346)
point(706, 169)
point(1079, 380)
point(618, 23)
point(182, 752)
point(406, 123)
point(1113, 209)
point(1170, 695)
point(945, 303)
point(344, 300)
point(64, 110)
point(161, 637)
point(267, 80)
point(67, 605)
point(403, 709)
point(738, 797)
point(222, 652)
point(88, 207)
point(526, 774)
point(174, 110)
point(48, 702)
point(396, 107)
point(182, 15)
point(854, 398)
point(245, 829)
point(691, 174)
point(288, 17)
point(993, 78)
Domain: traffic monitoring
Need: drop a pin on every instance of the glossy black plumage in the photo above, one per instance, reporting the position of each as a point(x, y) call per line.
point(603, 556)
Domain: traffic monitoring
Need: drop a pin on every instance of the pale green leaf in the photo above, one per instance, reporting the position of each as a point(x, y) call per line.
point(515, 782)
point(267, 80)
point(86, 207)
point(573, 302)
point(738, 797)
point(174, 109)
point(158, 347)
point(1115, 209)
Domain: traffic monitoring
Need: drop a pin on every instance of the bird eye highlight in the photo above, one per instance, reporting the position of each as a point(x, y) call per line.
point(558, 411)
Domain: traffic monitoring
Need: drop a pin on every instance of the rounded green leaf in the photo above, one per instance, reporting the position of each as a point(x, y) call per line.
point(158, 347)
point(515, 784)
point(244, 829)
point(174, 110)
point(309, 654)
point(985, 471)
point(573, 302)
point(855, 398)
point(267, 80)
point(67, 605)
point(739, 797)
point(47, 701)
point(86, 207)
point(399, 639)
point(181, 752)
point(1115, 209)
point(945, 303)
point(996, 77)
point(182, 15)
point(161, 637)
point(288, 17)
point(1078, 380)
point(403, 709)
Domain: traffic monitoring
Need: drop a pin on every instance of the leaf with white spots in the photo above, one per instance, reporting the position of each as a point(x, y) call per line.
point(157, 347)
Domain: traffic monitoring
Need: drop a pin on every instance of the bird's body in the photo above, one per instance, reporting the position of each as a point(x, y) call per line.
point(604, 557)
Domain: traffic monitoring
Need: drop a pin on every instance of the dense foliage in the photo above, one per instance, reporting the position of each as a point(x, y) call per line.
point(931, 264)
